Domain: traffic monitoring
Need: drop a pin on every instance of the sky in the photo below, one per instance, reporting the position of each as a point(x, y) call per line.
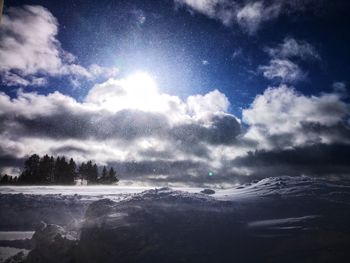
point(178, 92)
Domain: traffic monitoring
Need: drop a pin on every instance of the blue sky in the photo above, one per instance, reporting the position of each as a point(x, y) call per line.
point(173, 39)
point(233, 51)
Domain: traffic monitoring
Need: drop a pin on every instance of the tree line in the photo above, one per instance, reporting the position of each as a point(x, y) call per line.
point(47, 170)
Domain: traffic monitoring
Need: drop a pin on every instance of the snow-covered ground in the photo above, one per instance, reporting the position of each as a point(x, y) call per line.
point(281, 219)
point(13, 235)
point(83, 192)
point(89, 191)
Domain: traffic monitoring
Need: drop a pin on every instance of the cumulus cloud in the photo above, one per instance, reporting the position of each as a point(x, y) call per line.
point(296, 135)
point(212, 102)
point(116, 124)
point(284, 118)
point(182, 139)
point(30, 51)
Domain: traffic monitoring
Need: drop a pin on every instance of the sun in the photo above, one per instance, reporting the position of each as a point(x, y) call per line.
point(142, 82)
point(137, 91)
point(142, 92)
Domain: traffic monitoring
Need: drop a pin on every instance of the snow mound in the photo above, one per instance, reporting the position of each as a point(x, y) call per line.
point(164, 225)
point(290, 187)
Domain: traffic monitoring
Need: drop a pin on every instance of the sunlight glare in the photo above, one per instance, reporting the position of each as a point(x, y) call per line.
point(141, 82)
point(142, 92)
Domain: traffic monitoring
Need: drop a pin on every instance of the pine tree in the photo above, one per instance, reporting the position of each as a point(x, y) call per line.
point(104, 175)
point(82, 171)
point(88, 171)
point(112, 178)
point(61, 171)
point(44, 170)
point(47, 170)
point(57, 171)
point(30, 175)
point(71, 171)
point(15, 180)
point(94, 174)
point(4, 179)
point(10, 180)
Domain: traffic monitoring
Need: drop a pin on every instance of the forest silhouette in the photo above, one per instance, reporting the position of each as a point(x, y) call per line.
point(48, 170)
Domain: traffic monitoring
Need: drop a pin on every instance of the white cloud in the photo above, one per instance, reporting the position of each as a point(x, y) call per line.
point(28, 41)
point(29, 47)
point(253, 14)
point(205, 6)
point(130, 93)
point(237, 53)
point(138, 92)
point(179, 140)
point(214, 101)
point(281, 66)
point(283, 70)
point(282, 117)
point(294, 48)
point(249, 15)
point(222, 10)
point(11, 79)
point(340, 87)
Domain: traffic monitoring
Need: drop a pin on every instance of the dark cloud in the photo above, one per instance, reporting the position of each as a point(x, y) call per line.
point(153, 153)
point(63, 124)
point(312, 133)
point(9, 159)
point(223, 129)
point(314, 160)
point(124, 125)
point(185, 172)
point(339, 132)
